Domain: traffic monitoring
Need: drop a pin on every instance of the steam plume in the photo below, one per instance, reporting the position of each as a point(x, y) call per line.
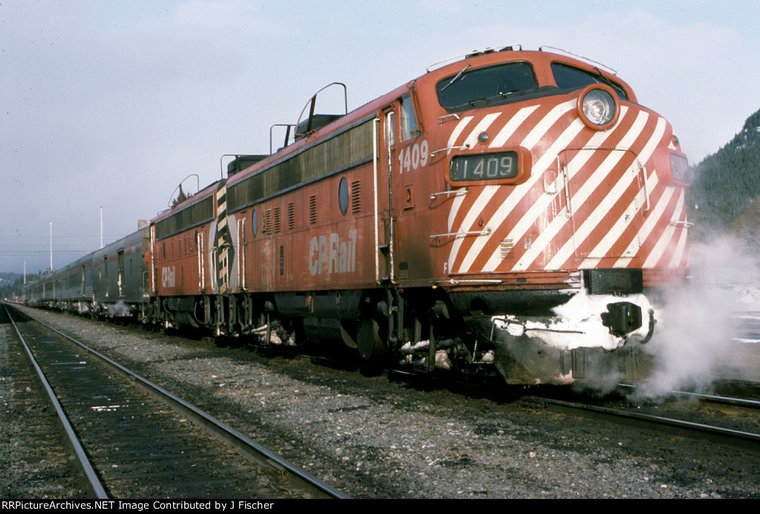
point(695, 339)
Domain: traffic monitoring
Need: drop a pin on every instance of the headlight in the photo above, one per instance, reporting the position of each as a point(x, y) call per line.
point(598, 107)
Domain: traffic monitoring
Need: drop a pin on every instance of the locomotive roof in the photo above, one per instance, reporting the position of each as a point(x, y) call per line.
point(540, 59)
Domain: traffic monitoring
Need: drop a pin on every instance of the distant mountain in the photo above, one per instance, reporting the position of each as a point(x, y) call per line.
point(10, 284)
point(725, 194)
point(8, 277)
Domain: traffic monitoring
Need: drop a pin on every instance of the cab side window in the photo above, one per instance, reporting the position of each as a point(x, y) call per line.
point(409, 126)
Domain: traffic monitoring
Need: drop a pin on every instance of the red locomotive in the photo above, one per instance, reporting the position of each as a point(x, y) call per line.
point(511, 209)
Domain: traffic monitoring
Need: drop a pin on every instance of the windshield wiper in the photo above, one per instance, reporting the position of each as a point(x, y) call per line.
point(505, 94)
point(606, 80)
point(456, 77)
point(486, 100)
point(517, 92)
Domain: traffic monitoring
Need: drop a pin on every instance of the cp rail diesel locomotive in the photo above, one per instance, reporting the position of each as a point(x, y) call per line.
point(508, 210)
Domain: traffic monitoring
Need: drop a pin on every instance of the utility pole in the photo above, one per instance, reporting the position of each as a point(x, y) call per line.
point(51, 246)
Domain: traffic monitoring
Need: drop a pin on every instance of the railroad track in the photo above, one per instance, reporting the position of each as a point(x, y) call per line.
point(745, 429)
point(34, 455)
point(722, 399)
point(686, 418)
point(137, 440)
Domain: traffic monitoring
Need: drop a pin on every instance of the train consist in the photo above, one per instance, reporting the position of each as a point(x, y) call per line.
point(109, 282)
point(510, 210)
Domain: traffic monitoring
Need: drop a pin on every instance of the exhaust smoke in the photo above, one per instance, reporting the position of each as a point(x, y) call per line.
point(697, 338)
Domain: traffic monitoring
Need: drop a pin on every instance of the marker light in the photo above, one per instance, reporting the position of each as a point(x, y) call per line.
point(679, 169)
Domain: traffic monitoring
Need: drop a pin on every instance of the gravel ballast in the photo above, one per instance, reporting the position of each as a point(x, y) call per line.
point(372, 437)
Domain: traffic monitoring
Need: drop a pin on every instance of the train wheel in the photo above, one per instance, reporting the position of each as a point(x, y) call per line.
point(372, 348)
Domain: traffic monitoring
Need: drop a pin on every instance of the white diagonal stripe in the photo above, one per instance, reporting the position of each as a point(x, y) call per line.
point(477, 207)
point(479, 204)
point(680, 249)
point(456, 204)
point(618, 228)
point(646, 228)
point(519, 192)
point(590, 186)
point(594, 219)
point(548, 233)
point(546, 123)
point(482, 126)
point(665, 239)
point(472, 215)
point(458, 130)
point(511, 126)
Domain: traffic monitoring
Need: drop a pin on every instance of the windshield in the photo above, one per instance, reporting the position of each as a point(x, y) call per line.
point(496, 84)
point(568, 77)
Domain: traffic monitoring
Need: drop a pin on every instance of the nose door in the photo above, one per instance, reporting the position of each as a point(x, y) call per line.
point(604, 198)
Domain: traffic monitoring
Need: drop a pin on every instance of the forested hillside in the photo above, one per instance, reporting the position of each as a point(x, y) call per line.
point(725, 195)
point(10, 285)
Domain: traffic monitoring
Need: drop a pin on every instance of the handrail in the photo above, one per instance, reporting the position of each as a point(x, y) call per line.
point(449, 148)
point(313, 102)
point(457, 192)
point(287, 134)
point(376, 206)
point(462, 234)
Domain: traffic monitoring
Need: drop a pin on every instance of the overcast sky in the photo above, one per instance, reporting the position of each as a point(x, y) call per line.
point(110, 104)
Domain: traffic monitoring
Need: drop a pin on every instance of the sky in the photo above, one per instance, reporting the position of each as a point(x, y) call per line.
point(107, 106)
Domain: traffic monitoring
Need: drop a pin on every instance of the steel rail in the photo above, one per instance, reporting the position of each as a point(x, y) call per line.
point(714, 398)
point(689, 425)
point(92, 479)
point(303, 478)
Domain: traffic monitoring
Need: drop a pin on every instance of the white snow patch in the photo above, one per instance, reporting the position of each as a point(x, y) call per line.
point(578, 323)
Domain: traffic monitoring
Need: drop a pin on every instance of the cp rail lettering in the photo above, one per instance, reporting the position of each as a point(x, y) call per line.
point(332, 254)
